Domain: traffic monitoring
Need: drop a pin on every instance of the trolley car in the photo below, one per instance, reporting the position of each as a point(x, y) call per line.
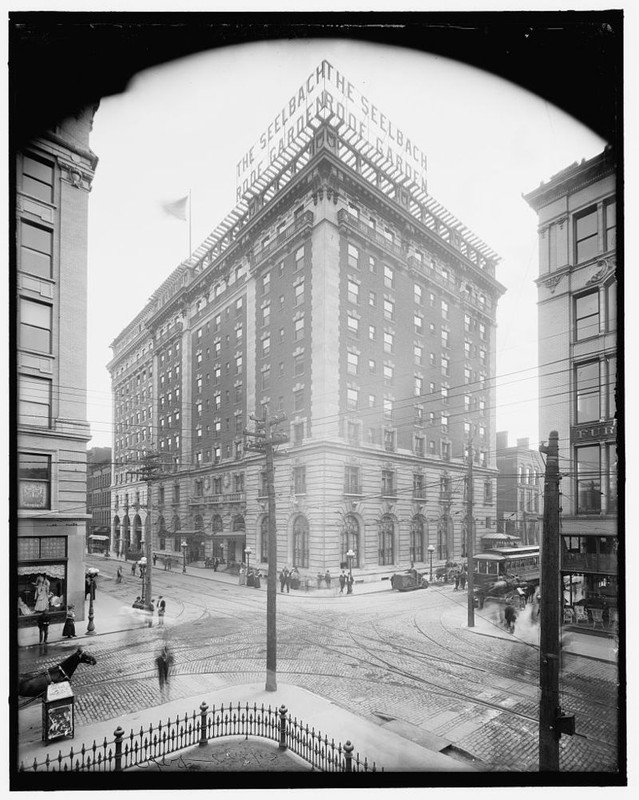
point(506, 564)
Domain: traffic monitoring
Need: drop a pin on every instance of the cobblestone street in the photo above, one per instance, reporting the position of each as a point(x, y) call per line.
point(401, 661)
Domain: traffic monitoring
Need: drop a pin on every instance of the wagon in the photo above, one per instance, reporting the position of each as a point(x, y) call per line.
point(409, 580)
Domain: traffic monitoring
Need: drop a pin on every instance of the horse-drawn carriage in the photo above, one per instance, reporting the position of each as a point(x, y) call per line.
point(408, 581)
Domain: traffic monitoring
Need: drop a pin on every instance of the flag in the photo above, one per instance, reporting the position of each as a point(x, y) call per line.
point(177, 208)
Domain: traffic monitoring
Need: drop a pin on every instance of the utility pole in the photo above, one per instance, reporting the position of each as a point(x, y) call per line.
point(470, 539)
point(150, 470)
point(552, 723)
point(265, 439)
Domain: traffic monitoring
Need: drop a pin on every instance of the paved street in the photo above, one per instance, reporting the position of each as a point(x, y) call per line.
point(406, 662)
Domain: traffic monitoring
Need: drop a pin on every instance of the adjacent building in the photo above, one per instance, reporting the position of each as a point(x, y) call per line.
point(520, 486)
point(53, 180)
point(338, 293)
point(577, 286)
point(99, 499)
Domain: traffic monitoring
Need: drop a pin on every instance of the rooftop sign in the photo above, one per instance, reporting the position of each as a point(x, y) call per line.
point(327, 89)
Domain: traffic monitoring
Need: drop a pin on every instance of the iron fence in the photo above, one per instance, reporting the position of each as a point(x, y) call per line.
point(126, 751)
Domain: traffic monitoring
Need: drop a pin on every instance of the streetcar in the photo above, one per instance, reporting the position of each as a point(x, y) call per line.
point(506, 564)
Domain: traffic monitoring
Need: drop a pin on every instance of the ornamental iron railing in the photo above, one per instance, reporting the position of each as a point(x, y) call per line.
point(126, 751)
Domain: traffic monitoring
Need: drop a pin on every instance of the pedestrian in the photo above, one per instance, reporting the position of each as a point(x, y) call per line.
point(462, 580)
point(43, 627)
point(68, 632)
point(288, 580)
point(522, 597)
point(456, 578)
point(257, 580)
point(510, 617)
point(283, 579)
point(327, 578)
point(216, 564)
point(133, 568)
point(155, 558)
point(137, 603)
point(118, 578)
point(242, 576)
point(349, 584)
point(342, 582)
point(164, 662)
point(161, 611)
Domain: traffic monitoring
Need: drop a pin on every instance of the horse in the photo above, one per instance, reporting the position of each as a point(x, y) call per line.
point(33, 684)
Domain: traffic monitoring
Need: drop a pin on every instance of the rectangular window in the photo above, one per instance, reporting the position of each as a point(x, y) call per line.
point(388, 408)
point(610, 215)
point(444, 338)
point(587, 315)
point(419, 385)
point(388, 375)
point(587, 386)
point(266, 283)
point(35, 326)
point(34, 477)
point(352, 365)
point(34, 401)
point(372, 299)
point(419, 490)
point(418, 354)
point(37, 179)
point(419, 445)
point(445, 367)
point(299, 259)
point(388, 277)
point(298, 401)
point(388, 342)
point(353, 257)
point(444, 423)
point(417, 293)
point(389, 309)
point(351, 480)
point(299, 294)
point(353, 325)
point(372, 264)
point(299, 329)
point(372, 366)
point(266, 316)
point(298, 364)
point(266, 346)
point(445, 395)
point(298, 432)
point(352, 398)
point(299, 477)
point(353, 292)
point(586, 236)
point(388, 483)
point(418, 322)
point(372, 332)
point(588, 479)
point(466, 322)
point(36, 248)
point(353, 432)
point(444, 309)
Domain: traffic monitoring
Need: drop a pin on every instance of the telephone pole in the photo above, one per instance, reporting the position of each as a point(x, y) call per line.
point(470, 539)
point(552, 723)
point(150, 470)
point(265, 440)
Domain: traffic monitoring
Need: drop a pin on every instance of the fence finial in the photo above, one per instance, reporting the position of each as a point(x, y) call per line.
point(282, 711)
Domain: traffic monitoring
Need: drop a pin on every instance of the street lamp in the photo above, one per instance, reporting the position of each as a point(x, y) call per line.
point(350, 555)
point(184, 546)
point(92, 573)
point(431, 550)
point(142, 564)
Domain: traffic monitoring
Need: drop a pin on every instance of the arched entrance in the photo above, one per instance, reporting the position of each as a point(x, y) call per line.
point(196, 543)
point(217, 528)
point(349, 540)
point(300, 542)
point(136, 534)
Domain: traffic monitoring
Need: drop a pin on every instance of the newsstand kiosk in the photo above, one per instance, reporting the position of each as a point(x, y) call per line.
point(58, 713)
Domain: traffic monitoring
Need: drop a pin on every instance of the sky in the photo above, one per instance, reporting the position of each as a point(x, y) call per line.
point(183, 127)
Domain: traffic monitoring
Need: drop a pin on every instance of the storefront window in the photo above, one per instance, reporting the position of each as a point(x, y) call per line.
point(588, 480)
point(42, 574)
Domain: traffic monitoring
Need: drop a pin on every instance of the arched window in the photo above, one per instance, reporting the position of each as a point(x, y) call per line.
point(300, 542)
point(238, 523)
point(445, 538)
point(264, 540)
point(199, 523)
point(126, 532)
point(117, 533)
point(385, 540)
point(417, 539)
point(349, 540)
point(216, 523)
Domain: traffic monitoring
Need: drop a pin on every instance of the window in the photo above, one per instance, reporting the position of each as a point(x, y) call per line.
point(353, 432)
point(300, 542)
point(34, 476)
point(266, 378)
point(444, 309)
point(467, 349)
point(388, 277)
point(416, 539)
point(372, 299)
point(34, 401)
point(37, 179)
point(353, 257)
point(418, 354)
point(587, 386)
point(466, 322)
point(299, 293)
point(351, 480)
point(389, 440)
point(352, 398)
point(266, 316)
point(417, 293)
point(444, 423)
point(388, 483)
point(482, 357)
point(298, 364)
point(352, 366)
point(588, 479)
point(299, 329)
point(388, 375)
point(35, 326)
point(389, 309)
point(299, 259)
point(611, 307)
point(419, 445)
point(388, 408)
point(298, 401)
point(372, 264)
point(388, 342)
point(482, 331)
point(444, 338)
point(298, 432)
point(587, 315)
point(586, 235)
point(299, 479)
point(488, 491)
point(419, 385)
point(349, 541)
point(445, 395)
point(353, 292)
point(610, 217)
point(467, 375)
point(385, 541)
point(445, 367)
point(266, 283)
point(353, 325)
point(353, 210)
point(238, 359)
point(418, 323)
point(36, 248)
point(372, 366)
point(266, 347)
